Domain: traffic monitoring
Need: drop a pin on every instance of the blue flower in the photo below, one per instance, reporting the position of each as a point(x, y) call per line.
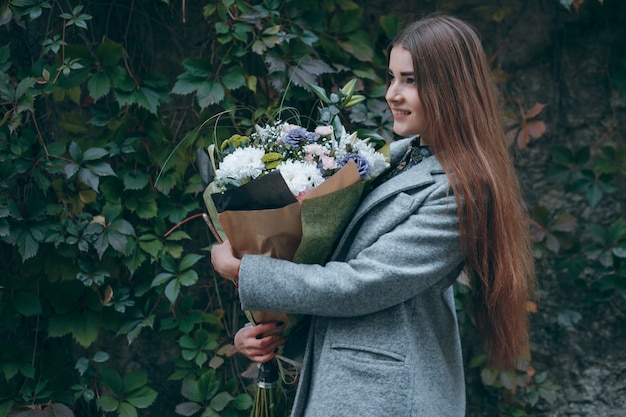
point(362, 164)
point(298, 135)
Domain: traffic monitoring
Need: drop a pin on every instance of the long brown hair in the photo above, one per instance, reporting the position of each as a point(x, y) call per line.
point(463, 128)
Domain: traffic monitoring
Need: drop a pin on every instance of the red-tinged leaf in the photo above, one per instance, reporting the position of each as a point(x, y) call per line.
point(523, 138)
point(535, 110)
point(536, 129)
point(228, 350)
point(216, 362)
point(576, 4)
point(252, 371)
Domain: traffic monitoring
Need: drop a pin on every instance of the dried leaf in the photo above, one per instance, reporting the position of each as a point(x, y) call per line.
point(535, 110)
point(523, 138)
point(108, 294)
point(536, 129)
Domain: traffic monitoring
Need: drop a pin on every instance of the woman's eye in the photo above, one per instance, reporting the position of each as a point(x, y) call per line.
point(410, 81)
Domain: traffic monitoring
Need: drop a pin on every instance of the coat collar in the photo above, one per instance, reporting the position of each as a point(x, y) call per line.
point(415, 177)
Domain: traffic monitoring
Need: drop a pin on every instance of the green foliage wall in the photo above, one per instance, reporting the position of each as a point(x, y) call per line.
point(107, 300)
point(102, 252)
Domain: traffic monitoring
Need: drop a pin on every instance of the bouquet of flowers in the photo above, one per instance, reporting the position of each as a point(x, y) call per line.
point(288, 192)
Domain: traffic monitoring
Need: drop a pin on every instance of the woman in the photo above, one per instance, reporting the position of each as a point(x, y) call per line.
point(384, 339)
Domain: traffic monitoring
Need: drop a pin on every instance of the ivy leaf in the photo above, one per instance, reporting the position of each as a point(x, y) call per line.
point(221, 400)
point(172, 289)
point(100, 357)
point(85, 329)
point(210, 93)
point(148, 99)
point(23, 87)
point(359, 45)
point(191, 390)
point(109, 53)
point(189, 260)
point(134, 260)
point(26, 304)
point(107, 403)
point(98, 85)
point(161, 278)
point(143, 397)
point(187, 342)
point(88, 178)
point(151, 244)
point(187, 409)
point(135, 180)
point(27, 245)
point(112, 379)
point(242, 402)
point(126, 410)
point(117, 240)
point(198, 67)
point(169, 264)
point(100, 168)
point(306, 72)
point(185, 85)
point(123, 226)
point(234, 78)
point(188, 278)
point(133, 381)
point(145, 208)
point(5, 230)
point(594, 195)
point(258, 47)
point(75, 152)
point(6, 15)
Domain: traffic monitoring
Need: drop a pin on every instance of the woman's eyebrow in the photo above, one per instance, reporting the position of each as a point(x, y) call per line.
point(407, 74)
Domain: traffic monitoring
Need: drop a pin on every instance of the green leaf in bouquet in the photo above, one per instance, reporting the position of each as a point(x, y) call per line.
point(212, 210)
point(324, 220)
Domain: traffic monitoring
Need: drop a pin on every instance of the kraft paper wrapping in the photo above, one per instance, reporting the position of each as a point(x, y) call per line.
point(303, 232)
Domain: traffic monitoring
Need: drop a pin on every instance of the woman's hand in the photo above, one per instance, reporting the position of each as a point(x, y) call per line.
point(224, 261)
point(259, 343)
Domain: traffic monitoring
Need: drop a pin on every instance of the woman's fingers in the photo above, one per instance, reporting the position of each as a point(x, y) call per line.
point(259, 343)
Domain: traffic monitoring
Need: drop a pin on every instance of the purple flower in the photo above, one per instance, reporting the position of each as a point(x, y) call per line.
point(362, 165)
point(296, 136)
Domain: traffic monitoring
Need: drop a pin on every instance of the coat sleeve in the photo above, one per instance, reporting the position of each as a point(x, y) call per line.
point(420, 251)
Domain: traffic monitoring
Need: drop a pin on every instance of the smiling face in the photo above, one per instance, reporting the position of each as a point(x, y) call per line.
point(402, 95)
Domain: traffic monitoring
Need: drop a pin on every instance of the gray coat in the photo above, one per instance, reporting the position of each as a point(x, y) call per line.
point(384, 340)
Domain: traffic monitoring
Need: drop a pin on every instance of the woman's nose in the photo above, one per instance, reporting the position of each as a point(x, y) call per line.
point(392, 94)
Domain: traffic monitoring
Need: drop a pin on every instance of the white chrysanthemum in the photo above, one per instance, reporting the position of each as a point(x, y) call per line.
point(350, 143)
point(377, 161)
point(242, 164)
point(300, 177)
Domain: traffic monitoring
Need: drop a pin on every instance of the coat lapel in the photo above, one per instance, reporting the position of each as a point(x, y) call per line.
point(416, 177)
